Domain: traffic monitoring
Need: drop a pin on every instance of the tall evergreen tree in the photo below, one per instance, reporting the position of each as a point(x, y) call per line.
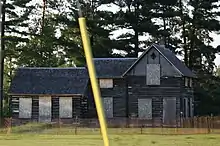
point(202, 23)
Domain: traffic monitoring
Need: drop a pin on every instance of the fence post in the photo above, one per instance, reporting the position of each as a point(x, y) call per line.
point(7, 123)
point(208, 124)
point(75, 130)
point(142, 129)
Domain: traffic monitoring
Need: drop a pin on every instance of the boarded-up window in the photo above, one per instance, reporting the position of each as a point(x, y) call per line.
point(25, 107)
point(186, 81)
point(106, 83)
point(153, 74)
point(186, 108)
point(145, 108)
point(191, 107)
point(169, 110)
point(45, 109)
point(65, 107)
point(108, 106)
point(190, 82)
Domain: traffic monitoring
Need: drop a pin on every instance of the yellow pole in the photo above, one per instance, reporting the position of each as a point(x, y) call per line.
point(92, 75)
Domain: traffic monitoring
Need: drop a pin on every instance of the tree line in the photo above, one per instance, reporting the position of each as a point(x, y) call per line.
point(47, 34)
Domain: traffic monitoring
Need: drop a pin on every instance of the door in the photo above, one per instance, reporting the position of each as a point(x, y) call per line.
point(108, 107)
point(169, 110)
point(45, 109)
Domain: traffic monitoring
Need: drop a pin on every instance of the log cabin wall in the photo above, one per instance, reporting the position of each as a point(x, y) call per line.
point(113, 97)
point(187, 98)
point(156, 80)
point(18, 104)
point(137, 89)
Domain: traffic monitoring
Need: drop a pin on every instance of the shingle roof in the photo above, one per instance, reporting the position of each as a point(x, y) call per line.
point(171, 57)
point(112, 67)
point(49, 81)
point(175, 61)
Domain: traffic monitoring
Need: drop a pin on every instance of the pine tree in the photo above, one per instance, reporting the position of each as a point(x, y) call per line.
point(203, 22)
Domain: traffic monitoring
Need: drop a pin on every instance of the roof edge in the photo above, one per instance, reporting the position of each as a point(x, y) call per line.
point(145, 52)
point(51, 68)
point(138, 59)
point(19, 94)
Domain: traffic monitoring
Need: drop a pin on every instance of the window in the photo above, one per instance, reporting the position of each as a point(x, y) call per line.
point(153, 74)
point(190, 82)
point(186, 81)
point(25, 107)
point(108, 106)
point(65, 107)
point(106, 83)
point(45, 109)
point(145, 108)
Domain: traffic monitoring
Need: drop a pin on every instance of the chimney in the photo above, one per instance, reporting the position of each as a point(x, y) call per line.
point(162, 43)
point(139, 54)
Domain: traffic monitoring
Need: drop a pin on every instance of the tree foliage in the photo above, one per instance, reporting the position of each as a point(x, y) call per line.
point(53, 39)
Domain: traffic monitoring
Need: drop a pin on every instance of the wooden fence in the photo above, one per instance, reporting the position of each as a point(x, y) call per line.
point(195, 125)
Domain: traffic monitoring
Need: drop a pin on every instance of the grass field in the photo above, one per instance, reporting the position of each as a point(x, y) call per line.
point(115, 140)
point(42, 135)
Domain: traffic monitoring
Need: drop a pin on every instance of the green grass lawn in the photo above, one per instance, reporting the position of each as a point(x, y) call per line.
point(44, 135)
point(115, 140)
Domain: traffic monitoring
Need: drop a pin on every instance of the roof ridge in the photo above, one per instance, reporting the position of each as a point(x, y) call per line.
point(51, 68)
point(118, 58)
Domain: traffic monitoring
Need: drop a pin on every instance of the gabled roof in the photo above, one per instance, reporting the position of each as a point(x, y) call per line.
point(112, 67)
point(53, 81)
point(170, 57)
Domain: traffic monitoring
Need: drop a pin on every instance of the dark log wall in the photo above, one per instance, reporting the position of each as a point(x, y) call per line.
point(118, 93)
point(55, 107)
point(14, 107)
point(137, 88)
point(79, 108)
point(91, 103)
point(171, 84)
point(187, 92)
point(35, 109)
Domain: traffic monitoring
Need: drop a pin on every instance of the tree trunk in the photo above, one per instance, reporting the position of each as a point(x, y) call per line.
point(2, 13)
point(186, 57)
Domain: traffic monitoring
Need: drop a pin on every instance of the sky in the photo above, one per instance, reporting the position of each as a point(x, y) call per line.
point(115, 8)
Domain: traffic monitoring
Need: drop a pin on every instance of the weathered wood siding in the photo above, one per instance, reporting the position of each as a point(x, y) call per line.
point(118, 93)
point(55, 107)
point(137, 89)
point(79, 108)
point(15, 107)
point(187, 93)
point(35, 108)
point(166, 68)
